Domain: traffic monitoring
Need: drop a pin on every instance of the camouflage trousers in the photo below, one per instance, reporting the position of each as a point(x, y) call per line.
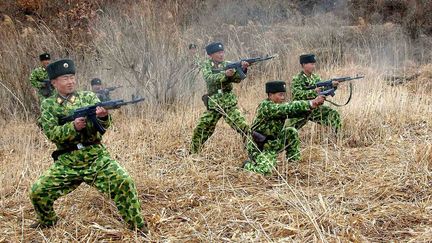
point(264, 158)
point(323, 115)
point(207, 124)
point(93, 166)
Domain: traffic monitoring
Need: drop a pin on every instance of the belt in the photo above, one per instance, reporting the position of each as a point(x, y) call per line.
point(79, 146)
point(219, 91)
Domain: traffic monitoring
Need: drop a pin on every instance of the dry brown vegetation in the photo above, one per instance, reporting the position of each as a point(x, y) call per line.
point(373, 184)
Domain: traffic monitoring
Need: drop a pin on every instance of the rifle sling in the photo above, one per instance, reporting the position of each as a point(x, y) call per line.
point(349, 98)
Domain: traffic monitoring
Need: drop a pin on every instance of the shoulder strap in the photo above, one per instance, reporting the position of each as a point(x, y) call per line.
point(346, 103)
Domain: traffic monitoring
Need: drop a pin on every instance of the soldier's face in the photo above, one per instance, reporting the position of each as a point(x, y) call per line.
point(218, 56)
point(96, 87)
point(278, 97)
point(45, 63)
point(192, 51)
point(309, 67)
point(65, 84)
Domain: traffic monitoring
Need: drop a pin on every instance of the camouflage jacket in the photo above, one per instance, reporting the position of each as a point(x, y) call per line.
point(37, 77)
point(65, 136)
point(270, 117)
point(299, 84)
point(219, 86)
point(197, 62)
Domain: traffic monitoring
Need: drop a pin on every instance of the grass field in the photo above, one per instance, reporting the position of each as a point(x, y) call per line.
point(373, 183)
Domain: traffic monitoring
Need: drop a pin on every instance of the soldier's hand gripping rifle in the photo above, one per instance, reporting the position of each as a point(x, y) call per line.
point(329, 90)
point(90, 112)
point(238, 65)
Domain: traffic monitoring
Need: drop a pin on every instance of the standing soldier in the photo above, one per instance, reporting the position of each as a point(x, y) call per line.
point(97, 88)
point(193, 63)
point(194, 55)
point(102, 92)
point(323, 115)
point(220, 100)
point(192, 49)
point(39, 78)
point(269, 135)
point(80, 155)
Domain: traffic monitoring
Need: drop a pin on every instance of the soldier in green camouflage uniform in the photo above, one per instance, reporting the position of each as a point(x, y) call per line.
point(269, 134)
point(220, 100)
point(323, 115)
point(97, 88)
point(80, 156)
point(194, 55)
point(39, 75)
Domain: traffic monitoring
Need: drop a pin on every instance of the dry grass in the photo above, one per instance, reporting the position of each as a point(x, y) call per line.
point(373, 185)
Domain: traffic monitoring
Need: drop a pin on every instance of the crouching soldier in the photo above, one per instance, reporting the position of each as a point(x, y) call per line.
point(269, 135)
point(80, 155)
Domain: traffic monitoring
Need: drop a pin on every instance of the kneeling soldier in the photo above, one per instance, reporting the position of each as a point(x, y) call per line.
point(269, 134)
point(80, 156)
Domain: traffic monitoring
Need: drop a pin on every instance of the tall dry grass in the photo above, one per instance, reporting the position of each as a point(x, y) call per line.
point(373, 184)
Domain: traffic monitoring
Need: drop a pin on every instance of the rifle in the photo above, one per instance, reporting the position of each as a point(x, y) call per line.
point(109, 89)
point(104, 94)
point(238, 67)
point(328, 85)
point(90, 112)
point(46, 88)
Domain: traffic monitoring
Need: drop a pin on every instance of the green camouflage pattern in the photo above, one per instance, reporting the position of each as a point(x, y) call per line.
point(207, 124)
point(92, 164)
point(270, 122)
point(222, 103)
point(197, 61)
point(323, 115)
point(65, 136)
point(37, 76)
point(299, 84)
point(216, 81)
